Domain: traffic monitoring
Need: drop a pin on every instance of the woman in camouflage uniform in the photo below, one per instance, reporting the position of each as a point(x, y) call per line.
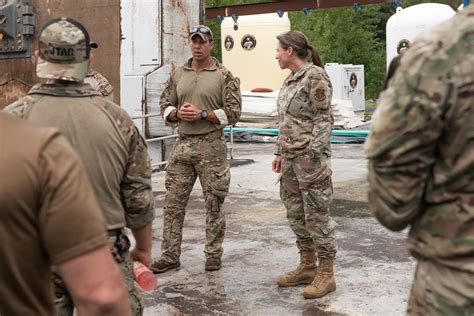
point(303, 159)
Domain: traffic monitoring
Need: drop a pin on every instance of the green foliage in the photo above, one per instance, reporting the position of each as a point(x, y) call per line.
point(216, 30)
point(342, 35)
point(345, 36)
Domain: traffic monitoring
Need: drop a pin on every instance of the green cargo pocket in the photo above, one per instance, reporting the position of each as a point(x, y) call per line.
point(220, 180)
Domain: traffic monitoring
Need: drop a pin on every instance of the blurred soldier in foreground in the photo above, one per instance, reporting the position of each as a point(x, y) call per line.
point(111, 148)
point(421, 164)
point(201, 97)
point(49, 215)
point(97, 80)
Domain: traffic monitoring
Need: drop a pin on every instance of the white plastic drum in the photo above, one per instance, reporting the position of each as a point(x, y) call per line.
point(249, 52)
point(406, 24)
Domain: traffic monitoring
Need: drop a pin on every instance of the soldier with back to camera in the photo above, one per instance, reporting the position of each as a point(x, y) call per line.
point(113, 151)
point(421, 164)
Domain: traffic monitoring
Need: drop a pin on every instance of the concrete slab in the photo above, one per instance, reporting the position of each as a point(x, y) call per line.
point(373, 269)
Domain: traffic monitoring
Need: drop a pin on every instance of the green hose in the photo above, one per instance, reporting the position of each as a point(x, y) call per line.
point(335, 132)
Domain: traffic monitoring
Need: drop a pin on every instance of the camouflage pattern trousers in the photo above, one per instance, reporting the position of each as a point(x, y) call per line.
point(64, 304)
point(306, 192)
point(202, 156)
point(441, 290)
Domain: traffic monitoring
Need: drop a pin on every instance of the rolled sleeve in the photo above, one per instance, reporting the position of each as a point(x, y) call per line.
point(222, 117)
point(166, 113)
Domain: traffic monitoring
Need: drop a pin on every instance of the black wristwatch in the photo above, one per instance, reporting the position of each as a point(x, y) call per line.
point(203, 115)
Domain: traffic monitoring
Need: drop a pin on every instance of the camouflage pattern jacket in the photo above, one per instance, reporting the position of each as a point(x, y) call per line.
point(305, 114)
point(118, 165)
point(421, 146)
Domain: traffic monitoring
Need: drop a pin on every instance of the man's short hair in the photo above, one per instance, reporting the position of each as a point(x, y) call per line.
point(64, 49)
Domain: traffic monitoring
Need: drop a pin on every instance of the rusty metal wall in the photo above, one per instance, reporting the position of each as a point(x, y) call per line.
point(179, 18)
point(101, 19)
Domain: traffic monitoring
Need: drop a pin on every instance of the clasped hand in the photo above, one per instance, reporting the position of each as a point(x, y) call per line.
point(189, 112)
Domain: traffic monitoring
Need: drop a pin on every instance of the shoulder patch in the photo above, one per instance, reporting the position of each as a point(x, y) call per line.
point(320, 95)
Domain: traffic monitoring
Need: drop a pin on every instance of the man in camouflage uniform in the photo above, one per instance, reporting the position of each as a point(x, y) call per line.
point(201, 97)
point(98, 81)
point(303, 158)
point(111, 148)
point(421, 164)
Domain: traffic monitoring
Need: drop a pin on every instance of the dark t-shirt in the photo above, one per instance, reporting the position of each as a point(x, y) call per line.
point(48, 214)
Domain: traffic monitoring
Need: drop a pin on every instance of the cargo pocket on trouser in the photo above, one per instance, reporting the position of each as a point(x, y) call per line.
point(290, 193)
point(216, 186)
point(326, 243)
point(317, 200)
point(216, 180)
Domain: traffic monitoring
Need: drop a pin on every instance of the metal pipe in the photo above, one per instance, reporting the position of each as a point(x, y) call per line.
point(231, 143)
point(150, 140)
point(336, 132)
point(145, 116)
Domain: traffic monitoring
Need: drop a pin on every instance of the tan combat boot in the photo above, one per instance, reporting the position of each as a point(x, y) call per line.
point(323, 282)
point(162, 265)
point(303, 274)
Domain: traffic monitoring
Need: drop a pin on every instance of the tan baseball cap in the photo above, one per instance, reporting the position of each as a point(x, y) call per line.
point(64, 49)
point(202, 31)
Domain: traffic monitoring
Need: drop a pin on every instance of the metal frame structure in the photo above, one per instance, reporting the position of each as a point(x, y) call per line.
point(156, 139)
point(292, 5)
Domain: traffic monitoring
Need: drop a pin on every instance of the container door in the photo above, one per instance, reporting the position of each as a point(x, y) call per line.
point(355, 86)
point(140, 50)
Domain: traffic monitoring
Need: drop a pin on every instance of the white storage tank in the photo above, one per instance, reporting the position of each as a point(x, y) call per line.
point(249, 52)
point(406, 24)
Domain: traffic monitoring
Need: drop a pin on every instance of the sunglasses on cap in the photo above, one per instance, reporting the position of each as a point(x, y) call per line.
point(200, 30)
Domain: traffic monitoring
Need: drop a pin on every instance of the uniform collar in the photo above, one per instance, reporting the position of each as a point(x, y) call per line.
point(213, 66)
point(300, 72)
point(71, 90)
